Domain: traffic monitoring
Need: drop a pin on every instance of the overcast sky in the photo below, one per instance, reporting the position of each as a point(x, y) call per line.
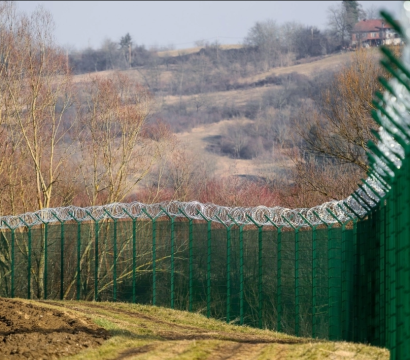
point(85, 23)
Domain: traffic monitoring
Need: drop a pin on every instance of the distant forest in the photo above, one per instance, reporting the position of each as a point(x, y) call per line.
point(268, 44)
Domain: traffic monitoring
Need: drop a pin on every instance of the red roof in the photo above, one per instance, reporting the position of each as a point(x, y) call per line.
point(371, 25)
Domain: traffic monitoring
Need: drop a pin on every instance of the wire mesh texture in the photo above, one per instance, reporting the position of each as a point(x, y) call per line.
point(338, 271)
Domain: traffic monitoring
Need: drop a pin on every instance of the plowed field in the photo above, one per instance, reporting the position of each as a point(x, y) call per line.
point(28, 331)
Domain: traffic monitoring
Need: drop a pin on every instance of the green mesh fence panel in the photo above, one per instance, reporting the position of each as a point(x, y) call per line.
point(257, 276)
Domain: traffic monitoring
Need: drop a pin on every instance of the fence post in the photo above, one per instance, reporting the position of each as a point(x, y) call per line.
point(172, 218)
point(208, 262)
point(45, 255)
point(190, 258)
point(278, 275)
point(391, 269)
point(28, 259)
point(353, 211)
point(383, 158)
point(356, 278)
point(78, 254)
point(314, 272)
point(344, 315)
point(114, 273)
point(382, 182)
point(349, 271)
point(260, 270)
point(401, 216)
point(297, 308)
point(332, 299)
point(228, 269)
point(96, 230)
point(374, 192)
point(367, 206)
point(12, 257)
point(404, 259)
point(362, 309)
point(241, 292)
point(61, 254)
point(383, 274)
point(134, 253)
point(154, 254)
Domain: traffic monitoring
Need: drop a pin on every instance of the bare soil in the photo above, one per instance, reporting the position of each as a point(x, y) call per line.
point(32, 332)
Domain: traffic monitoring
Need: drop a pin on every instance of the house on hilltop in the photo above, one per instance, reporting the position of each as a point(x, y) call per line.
point(374, 32)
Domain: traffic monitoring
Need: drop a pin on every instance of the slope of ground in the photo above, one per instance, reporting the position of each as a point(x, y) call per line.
point(28, 331)
point(329, 62)
point(179, 52)
point(199, 138)
point(241, 96)
point(147, 332)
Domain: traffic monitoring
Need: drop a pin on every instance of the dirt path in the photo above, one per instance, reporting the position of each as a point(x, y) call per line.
point(245, 347)
point(56, 329)
point(155, 333)
point(172, 331)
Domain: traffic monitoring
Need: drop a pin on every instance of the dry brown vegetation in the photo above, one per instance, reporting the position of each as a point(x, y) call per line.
point(335, 132)
point(64, 143)
point(194, 50)
point(195, 128)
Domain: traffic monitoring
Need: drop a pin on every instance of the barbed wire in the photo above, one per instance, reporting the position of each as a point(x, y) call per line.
point(328, 213)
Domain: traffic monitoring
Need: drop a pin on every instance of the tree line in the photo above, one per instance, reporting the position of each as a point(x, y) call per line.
point(268, 44)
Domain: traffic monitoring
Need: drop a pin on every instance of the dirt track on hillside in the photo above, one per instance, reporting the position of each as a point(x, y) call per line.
point(32, 332)
point(51, 329)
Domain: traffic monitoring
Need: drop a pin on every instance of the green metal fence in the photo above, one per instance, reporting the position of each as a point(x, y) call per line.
point(346, 281)
point(340, 271)
point(287, 279)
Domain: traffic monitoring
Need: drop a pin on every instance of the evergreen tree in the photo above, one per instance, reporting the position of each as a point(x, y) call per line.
point(126, 47)
point(126, 41)
point(352, 11)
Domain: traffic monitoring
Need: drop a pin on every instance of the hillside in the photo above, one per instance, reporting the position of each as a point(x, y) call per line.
point(200, 118)
point(179, 52)
point(146, 332)
point(199, 138)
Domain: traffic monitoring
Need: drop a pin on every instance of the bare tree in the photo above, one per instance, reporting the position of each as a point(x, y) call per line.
point(372, 12)
point(237, 139)
point(118, 148)
point(342, 18)
point(335, 132)
point(337, 21)
point(36, 99)
point(264, 36)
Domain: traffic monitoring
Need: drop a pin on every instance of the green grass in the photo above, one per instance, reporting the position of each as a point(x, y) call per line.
point(148, 332)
